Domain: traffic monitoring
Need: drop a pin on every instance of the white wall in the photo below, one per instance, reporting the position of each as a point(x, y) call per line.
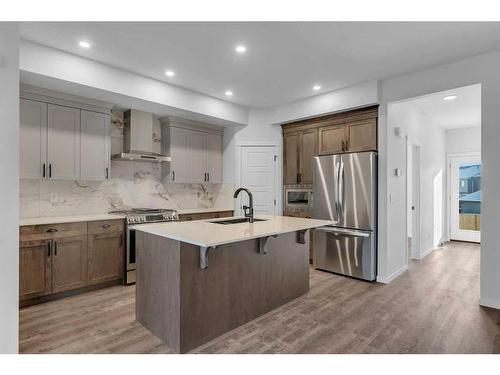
point(9, 187)
point(431, 137)
point(484, 69)
point(463, 140)
point(58, 70)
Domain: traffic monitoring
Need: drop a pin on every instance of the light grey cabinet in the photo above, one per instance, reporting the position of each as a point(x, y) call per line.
point(33, 139)
point(213, 152)
point(95, 153)
point(197, 157)
point(179, 166)
point(63, 142)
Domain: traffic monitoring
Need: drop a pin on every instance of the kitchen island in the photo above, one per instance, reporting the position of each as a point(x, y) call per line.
point(199, 280)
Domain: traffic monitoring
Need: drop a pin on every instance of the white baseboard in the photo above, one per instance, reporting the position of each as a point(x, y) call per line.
point(425, 253)
point(488, 302)
point(388, 279)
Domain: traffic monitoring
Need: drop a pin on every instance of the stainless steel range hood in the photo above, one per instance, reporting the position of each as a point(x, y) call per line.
point(138, 138)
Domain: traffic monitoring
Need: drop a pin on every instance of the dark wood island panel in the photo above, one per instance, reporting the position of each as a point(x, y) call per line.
point(186, 306)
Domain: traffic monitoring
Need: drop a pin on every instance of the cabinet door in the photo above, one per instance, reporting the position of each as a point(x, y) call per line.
point(69, 263)
point(95, 153)
point(331, 139)
point(32, 138)
point(197, 157)
point(34, 269)
point(362, 135)
point(179, 152)
point(308, 149)
point(213, 144)
point(291, 158)
point(105, 257)
point(63, 143)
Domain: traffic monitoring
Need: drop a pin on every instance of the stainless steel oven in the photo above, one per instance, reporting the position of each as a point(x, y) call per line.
point(134, 218)
point(298, 198)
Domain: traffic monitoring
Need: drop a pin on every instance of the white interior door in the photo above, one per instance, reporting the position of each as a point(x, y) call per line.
point(465, 198)
point(258, 175)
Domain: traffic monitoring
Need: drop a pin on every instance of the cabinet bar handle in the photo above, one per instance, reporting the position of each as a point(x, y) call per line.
point(107, 173)
point(106, 225)
point(55, 248)
point(173, 175)
point(51, 230)
point(43, 170)
point(48, 248)
point(208, 177)
point(50, 170)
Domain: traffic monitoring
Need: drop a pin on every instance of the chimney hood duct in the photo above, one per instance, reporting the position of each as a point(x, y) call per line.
point(138, 138)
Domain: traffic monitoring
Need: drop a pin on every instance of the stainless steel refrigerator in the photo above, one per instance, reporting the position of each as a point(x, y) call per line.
point(345, 191)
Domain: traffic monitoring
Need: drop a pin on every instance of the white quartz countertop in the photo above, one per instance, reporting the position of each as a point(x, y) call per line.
point(67, 219)
point(206, 233)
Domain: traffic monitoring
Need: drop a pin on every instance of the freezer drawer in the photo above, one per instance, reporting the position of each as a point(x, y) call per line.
point(346, 251)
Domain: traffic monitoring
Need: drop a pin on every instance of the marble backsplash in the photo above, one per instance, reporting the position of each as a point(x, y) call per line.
point(132, 184)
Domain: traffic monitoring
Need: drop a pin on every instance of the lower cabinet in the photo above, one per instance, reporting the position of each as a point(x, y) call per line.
point(35, 264)
point(105, 257)
point(69, 263)
point(52, 259)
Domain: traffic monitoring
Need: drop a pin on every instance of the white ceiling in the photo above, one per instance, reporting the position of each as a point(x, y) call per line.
point(463, 112)
point(283, 60)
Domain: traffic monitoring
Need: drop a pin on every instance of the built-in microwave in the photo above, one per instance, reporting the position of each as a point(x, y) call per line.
point(298, 198)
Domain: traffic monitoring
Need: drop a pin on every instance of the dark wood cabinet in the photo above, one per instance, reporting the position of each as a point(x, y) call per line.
point(63, 258)
point(291, 158)
point(350, 131)
point(35, 268)
point(105, 257)
point(69, 263)
point(362, 136)
point(299, 151)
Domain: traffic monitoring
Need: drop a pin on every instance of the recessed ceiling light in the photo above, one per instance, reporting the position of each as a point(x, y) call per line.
point(229, 93)
point(84, 44)
point(170, 73)
point(241, 48)
point(450, 97)
point(316, 87)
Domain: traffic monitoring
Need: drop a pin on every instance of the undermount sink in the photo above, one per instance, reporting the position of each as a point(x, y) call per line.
point(235, 221)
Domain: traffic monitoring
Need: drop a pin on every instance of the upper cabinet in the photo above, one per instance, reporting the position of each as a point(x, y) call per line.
point(351, 131)
point(95, 146)
point(299, 151)
point(63, 142)
point(33, 139)
point(196, 153)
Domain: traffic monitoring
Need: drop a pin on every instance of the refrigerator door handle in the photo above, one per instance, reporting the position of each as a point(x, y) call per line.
point(343, 232)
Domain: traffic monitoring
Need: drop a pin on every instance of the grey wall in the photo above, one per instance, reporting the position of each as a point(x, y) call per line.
point(9, 187)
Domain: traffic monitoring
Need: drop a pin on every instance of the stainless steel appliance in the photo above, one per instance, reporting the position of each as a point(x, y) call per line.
point(134, 218)
point(298, 198)
point(345, 191)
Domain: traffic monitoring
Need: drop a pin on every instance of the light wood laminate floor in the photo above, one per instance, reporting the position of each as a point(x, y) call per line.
point(432, 308)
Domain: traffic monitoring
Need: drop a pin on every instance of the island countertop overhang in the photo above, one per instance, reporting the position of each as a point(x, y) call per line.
point(207, 233)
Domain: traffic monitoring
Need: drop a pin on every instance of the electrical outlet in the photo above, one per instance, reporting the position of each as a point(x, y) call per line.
point(53, 198)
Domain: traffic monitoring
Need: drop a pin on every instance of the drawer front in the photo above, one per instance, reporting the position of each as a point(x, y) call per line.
point(205, 215)
point(49, 231)
point(105, 226)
